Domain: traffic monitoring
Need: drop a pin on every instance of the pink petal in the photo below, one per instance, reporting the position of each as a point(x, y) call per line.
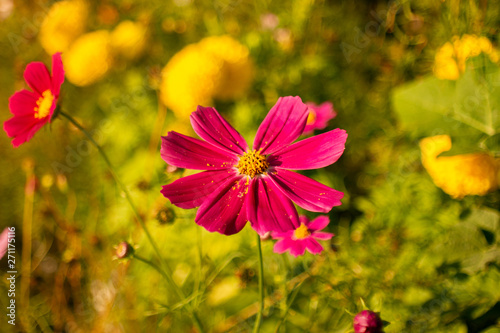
point(210, 126)
point(224, 211)
point(282, 245)
point(19, 124)
point(298, 247)
point(278, 234)
point(22, 128)
point(283, 124)
point(306, 192)
point(304, 220)
point(312, 153)
point(57, 73)
point(185, 152)
point(191, 191)
point(322, 235)
point(313, 246)
point(23, 103)
point(269, 209)
point(324, 113)
point(37, 76)
point(4, 242)
point(319, 223)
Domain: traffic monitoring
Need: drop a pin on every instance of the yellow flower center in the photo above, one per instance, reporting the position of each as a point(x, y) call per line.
point(311, 118)
point(252, 163)
point(301, 232)
point(43, 105)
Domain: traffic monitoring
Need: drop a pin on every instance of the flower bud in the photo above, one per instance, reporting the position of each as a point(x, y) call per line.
point(367, 322)
point(124, 250)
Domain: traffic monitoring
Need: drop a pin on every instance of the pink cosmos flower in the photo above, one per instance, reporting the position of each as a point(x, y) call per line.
point(4, 242)
point(256, 185)
point(33, 109)
point(304, 237)
point(319, 116)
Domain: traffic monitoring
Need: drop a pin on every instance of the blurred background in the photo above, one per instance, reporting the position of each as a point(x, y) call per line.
point(417, 234)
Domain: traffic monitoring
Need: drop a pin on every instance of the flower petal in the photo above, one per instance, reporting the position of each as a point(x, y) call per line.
point(37, 76)
point(322, 235)
point(306, 192)
point(210, 126)
point(269, 209)
point(185, 152)
point(22, 128)
point(312, 153)
point(191, 191)
point(283, 124)
point(298, 248)
point(23, 103)
point(282, 245)
point(57, 73)
point(313, 246)
point(224, 211)
point(323, 114)
point(319, 223)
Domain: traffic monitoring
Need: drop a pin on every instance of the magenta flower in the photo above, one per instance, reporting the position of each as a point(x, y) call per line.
point(319, 116)
point(367, 322)
point(33, 109)
point(256, 185)
point(304, 237)
point(4, 242)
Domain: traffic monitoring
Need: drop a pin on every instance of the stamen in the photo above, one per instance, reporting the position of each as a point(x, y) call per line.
point(44, 104)
point(301, 232)
point(252, 163)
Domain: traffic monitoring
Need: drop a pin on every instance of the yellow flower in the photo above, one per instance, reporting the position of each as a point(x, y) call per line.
point(88, 59)
point(451, 58)
point(216, 67)
point(459, 175)
point(129, 39)
point(65, 21)
point(237, 69)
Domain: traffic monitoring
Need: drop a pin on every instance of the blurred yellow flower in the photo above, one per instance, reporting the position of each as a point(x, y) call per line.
point(237, 69)
point(216, 67)
point(65, 21)
point(128, 39)
point(459, 175)
point(451, 57)
point(89, 58)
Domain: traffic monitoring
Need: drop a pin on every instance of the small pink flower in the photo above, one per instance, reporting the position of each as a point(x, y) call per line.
point(4, 242)
point(319, 116)
point(252, 184)
point(367, 322)
point(304, 237)
point(33, 109)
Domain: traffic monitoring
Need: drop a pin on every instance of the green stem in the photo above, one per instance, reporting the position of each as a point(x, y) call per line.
point(166, 273)
point(261, 287)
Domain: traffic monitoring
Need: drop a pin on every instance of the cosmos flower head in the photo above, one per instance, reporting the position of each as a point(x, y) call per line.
point(33, 109)
point(319, 116)
point(255, 184)
point(303, 238)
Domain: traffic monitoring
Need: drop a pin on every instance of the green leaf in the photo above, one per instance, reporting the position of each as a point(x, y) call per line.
point(466, 109)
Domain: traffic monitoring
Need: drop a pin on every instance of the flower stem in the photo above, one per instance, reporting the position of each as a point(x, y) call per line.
point(166, 272)
point(261, 287)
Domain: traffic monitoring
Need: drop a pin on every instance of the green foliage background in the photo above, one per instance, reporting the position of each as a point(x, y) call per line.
point(426, 262)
